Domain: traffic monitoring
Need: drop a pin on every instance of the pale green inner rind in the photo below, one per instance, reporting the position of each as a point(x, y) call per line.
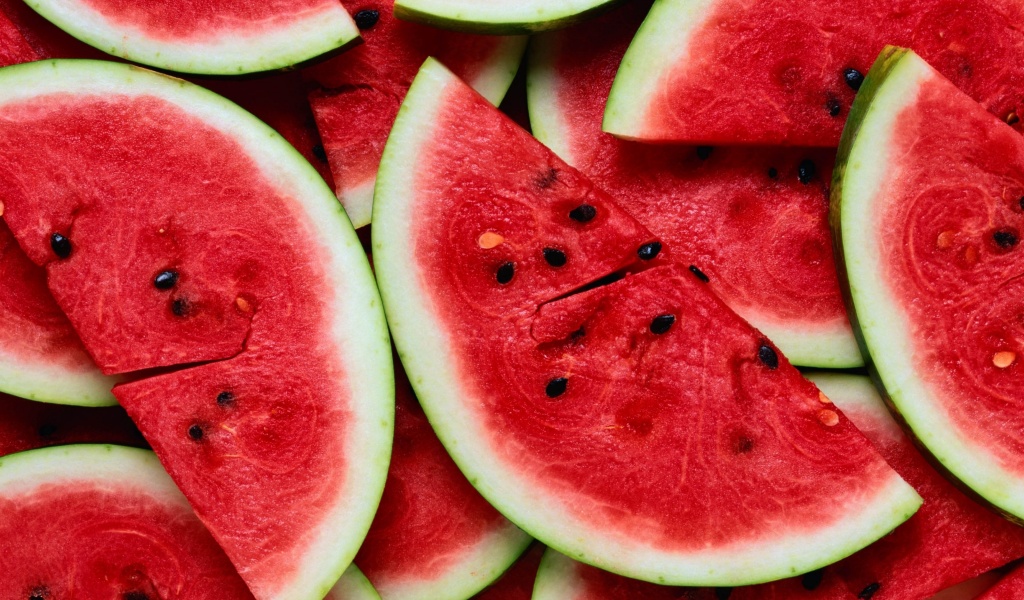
point(353, 585)
point(230, 53)
point(358, 328)
point(500, 18)
point(863, 164)
point(557, 578)
point(434, 372)
point(830, 346)
point(55, 384)
point(660, 45)
point(542, 82)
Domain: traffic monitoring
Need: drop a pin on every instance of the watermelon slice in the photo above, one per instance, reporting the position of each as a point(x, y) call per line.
point(517, 582)
point(45, 38)
point(498, 17)
point(353, 585)
point(364, 87)
point(26, 425)
point(434, 537)
point(103, 522)
point(565, 409)
point(226, 37)
point(1010, 587)
point(239, 259)
point(927, 201)
point(949, 540)
point(718, 207)
point(14, 48)
point(786, 71)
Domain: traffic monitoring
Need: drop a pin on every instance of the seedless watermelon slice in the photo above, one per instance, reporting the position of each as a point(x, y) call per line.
point(226, 37)
point(927, 210)
point(498, 16)
point(786, 71)
point(754, 221)
point(191, 232)
point(565, 414)
point(104, 522)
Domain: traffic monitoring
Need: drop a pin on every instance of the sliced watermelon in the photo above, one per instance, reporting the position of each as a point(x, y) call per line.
point(45, 38)
point(517, 582)
point(226, 37)
point(103, 522)
point(14, 48)
point(176, 228)
point(26, 425)
point(951, 539)
point(353, 585)
point(1010, 587)
point(41, 357)
point(786, 71)
point(498, 16)
point(364, 87)
point(928, 206)
point(642, 426)
point(434, 537)
point(753, 221)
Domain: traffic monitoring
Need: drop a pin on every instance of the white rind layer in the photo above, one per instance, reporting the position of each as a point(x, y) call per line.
point(433, 369)
point(54, 383)
point(358, 329)
point(886, 332)
point(353, 585)
point(557, 578)
point(499, 16)
point(227, 53)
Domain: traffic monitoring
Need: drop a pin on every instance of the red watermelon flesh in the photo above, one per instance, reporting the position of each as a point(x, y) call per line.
point(1010, 587)
point(45, 38)
point(26, 425)
point(775, 71)
point(433, 534)
point(14, 48)
point(517, 582)
point(753, 220)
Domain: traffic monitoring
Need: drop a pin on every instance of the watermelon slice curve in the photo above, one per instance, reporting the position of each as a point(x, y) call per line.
point(500, 17)
point(353, 585)
point(927, 212)
point(226, 37)
point(786, 71)
point(241, 260)
point(524, 391)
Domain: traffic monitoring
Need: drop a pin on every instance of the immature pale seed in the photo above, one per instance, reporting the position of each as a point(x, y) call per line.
point(1004, 358)
point(489, 239)
point(945, 240)
point(828, 417)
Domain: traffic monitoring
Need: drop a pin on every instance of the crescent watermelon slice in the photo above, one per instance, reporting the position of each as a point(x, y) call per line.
point(786, 71)
point(180, 232)
point(499, 17)
point(752, 220)
point(641, 426)
point(927, 211)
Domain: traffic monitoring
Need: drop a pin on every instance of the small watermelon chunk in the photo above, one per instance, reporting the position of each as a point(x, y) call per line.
point(753, 221)
point(927, 209)
point(641, 426)
point(27, 425)
point(96, 521)
point(786, 71)
point(499, 17)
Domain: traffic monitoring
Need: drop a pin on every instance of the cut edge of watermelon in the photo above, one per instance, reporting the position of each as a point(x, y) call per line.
point(660, 44)
point(353, 585)
point(499, 18)
point(363, 342)
point(880, 327)
point(234, 53)
point(556, 577)
point(54, 383)
point(424, 351)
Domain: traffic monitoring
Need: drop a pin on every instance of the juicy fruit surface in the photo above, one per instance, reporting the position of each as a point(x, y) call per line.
point(27, 425)
point(14, 48)
point(771, 72)
point(1010, 587)
point(753, 220)
point(106, 524)
point(571, 399)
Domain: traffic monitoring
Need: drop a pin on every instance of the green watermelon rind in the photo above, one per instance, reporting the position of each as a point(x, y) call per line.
point(425, 351)
point(54, 383)
point(314, 37)
point(828, 346)
point(359, 329)
point(500, 18)
point(557, 578)
point(879, 326)
point(110, 464)
point(353, 585)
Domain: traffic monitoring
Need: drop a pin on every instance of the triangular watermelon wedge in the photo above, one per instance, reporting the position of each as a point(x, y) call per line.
point(640, 426)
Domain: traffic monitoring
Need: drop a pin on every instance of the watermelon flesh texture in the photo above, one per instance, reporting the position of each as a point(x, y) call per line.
point(362, 89)
point(434, 536)
point(517, 582)
point(949, 540)
point(27, 425)
point(929, 213)
point(563, 412)
point(1010, 587)
point(753, 220)
point(104, 522)
point(45, 38)
point(14, 48)
point(776, 71)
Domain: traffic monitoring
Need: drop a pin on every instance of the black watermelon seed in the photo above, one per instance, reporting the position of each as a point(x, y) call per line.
point(723, 593)
point(165, 280)
point(1004, 238)
point(766, 354)
point(662, 323)
point(583, 213)
point(225, 398)
point(135, 595)
point(61, 245)
point(1021, 202)
point(649, 250)
point(700, 274)
point(853, 78)
point(1012, 119)
point(812, 580)
point(505, 272)
point(704, 152)
point(180, 307)
point(773, 173)
point(195, 432)
point(555, 258)
point(47, 429)
point(367, 18)
point(869, 591)
point(806, 170)
point(39, 593)
point(556, 387)
point(319, 152)
point(833, 107)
